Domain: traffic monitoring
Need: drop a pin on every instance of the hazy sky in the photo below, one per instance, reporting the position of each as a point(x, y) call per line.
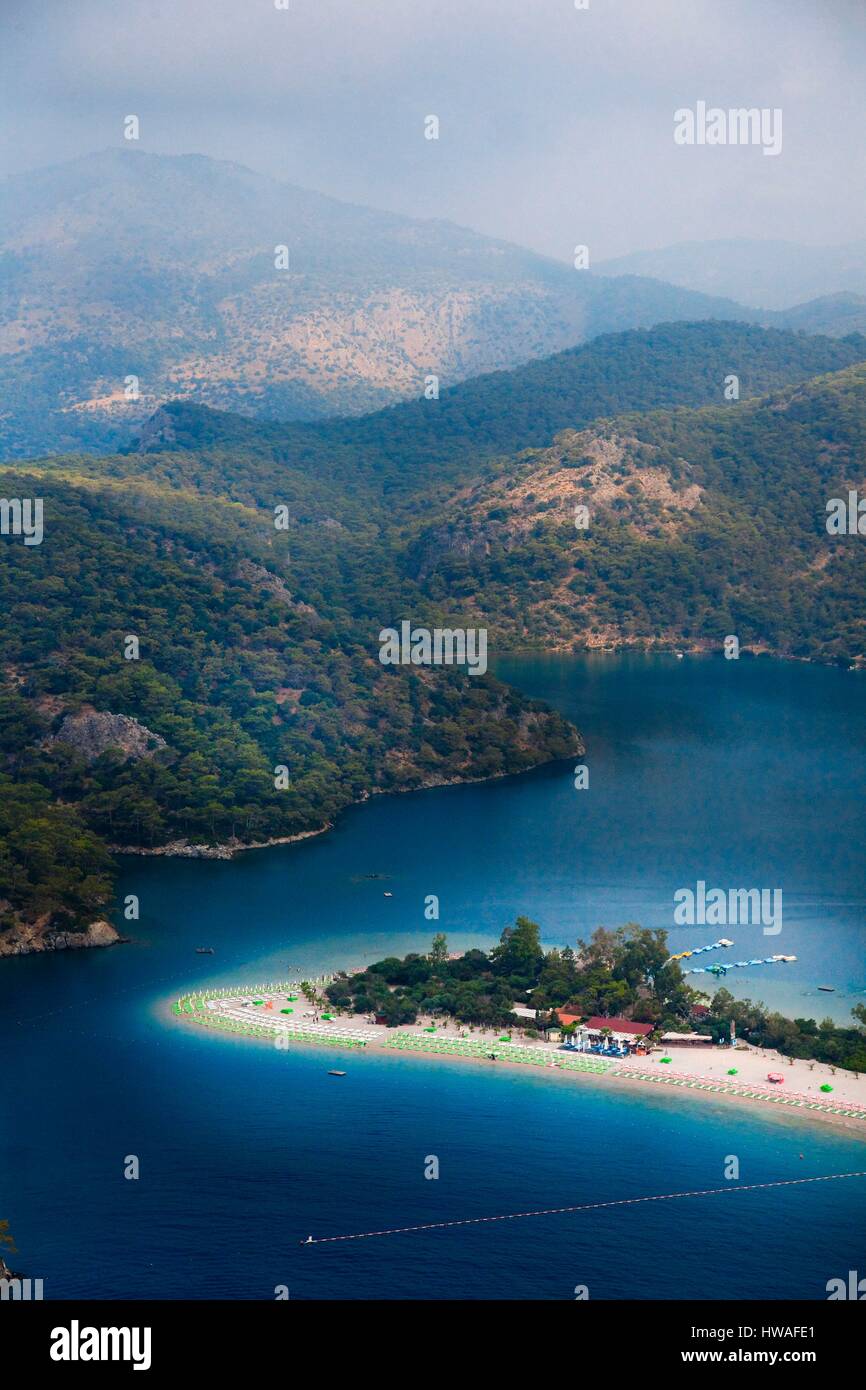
point(556, 123)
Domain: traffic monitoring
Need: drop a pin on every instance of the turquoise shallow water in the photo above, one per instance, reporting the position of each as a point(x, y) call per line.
point(748, 775)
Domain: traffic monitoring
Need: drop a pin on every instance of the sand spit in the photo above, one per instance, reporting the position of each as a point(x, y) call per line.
point(280, 1014)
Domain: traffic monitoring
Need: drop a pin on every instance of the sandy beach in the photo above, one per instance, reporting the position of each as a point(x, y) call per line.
point(280, 1014)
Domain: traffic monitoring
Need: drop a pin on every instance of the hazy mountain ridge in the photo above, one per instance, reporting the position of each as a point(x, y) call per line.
point(127, 264)
point(775, 275)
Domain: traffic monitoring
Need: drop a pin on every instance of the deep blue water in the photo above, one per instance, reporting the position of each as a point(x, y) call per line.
point(745, 774)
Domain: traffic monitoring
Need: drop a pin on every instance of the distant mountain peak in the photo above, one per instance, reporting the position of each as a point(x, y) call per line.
point(771, 275)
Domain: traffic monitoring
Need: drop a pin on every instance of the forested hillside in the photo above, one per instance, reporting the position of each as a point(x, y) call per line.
point(237, 675)
point(414, 446)
point(257, 647)
point(699, 524)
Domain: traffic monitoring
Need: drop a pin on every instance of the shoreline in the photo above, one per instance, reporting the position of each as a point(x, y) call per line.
point(651, 646)
point(226, 850)
point(276, 1014)
point(33, 940)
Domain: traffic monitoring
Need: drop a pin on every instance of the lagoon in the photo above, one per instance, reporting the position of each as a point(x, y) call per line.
point(737, 773)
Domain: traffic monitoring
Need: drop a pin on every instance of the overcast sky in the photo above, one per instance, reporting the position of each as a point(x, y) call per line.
point(556, 125)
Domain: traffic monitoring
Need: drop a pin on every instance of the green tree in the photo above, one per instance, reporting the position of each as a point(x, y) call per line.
point(439, 949)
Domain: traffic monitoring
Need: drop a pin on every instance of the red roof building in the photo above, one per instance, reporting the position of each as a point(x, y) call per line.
point(566, 1019)
point(618, 1025)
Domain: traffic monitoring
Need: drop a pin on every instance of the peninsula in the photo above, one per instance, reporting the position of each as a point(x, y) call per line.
point(617, 1008)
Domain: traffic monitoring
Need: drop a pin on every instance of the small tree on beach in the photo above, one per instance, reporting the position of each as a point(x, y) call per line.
point(439, 949)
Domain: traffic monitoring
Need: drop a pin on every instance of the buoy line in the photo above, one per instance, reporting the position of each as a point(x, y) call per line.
point(585, 1206)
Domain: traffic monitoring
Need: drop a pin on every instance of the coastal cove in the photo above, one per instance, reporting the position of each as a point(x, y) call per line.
point(737, 774)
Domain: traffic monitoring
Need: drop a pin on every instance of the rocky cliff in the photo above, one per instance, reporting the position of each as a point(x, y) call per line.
point(29, 938)
point(91, 733)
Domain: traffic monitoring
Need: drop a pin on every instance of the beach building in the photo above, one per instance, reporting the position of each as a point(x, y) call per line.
point(623, 1030)
point(568, 1019)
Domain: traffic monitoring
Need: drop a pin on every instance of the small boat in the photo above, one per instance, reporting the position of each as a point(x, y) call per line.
point(204, 950)
point(336, 1073)
point(828, 989)
point(680, 656)
point(387, 895)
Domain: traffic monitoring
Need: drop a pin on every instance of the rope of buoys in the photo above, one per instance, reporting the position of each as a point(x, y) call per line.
point(586, 1206)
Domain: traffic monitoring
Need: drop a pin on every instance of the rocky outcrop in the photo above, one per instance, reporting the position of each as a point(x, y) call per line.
point(268, 583)
point(29, 938)
point(91, 733)
point(445, 542)
point(177, 849)
point(263, 580)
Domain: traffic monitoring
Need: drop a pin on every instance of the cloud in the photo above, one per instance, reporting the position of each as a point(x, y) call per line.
point(556, 124)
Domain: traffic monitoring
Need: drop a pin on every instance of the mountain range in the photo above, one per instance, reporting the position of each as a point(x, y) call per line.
point(128, 279)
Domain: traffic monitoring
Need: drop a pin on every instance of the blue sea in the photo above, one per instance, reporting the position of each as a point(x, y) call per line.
point(740, 774)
